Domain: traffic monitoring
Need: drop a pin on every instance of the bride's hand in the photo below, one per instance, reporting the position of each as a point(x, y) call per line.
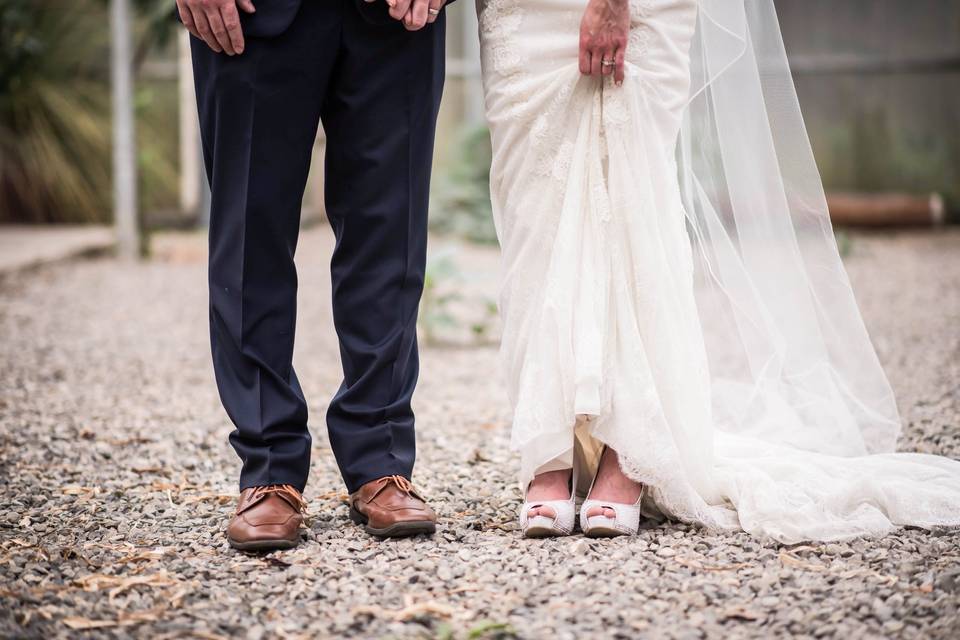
point(603, 38)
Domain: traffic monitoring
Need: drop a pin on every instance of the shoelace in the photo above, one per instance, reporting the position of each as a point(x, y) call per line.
point(401, 483)
point(284, 490)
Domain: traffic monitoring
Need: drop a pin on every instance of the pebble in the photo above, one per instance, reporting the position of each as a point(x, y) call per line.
point(882, 611)
point(893, 626)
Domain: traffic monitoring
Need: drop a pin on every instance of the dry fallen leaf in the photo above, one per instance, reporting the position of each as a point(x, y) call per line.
point(276, 562)
point(332, 495)
point(39, 552)
point(75, 490)
point(869, 573)
point(506, 525)
point(477, 457)
point(123, 619)
point(70, 553)
point(145, 556)
point(175, 599)
point(699, 566)
point(740, 613)
point(122, 442)
point(119, 584)
point(20, 543)
point(82, 624)
point(219, 498)
point(406, 613)
point(162, 471)
point(788, 558)
point(160, 485)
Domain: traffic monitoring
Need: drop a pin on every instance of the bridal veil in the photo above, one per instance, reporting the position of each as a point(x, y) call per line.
point(799, 397)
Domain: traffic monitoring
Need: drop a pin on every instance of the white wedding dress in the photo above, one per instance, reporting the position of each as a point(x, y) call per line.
point(671, 282)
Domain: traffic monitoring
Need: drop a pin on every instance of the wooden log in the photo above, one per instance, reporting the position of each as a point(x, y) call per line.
point(885, 209)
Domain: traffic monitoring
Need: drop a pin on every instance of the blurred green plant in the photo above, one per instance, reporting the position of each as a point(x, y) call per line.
point(435, 313)
point(461, 198)
point(446, 315)
point(485, 630)
point(55, 109)
point(481, 327)
point(155, 25)
point(54, 127)
point(844, 243)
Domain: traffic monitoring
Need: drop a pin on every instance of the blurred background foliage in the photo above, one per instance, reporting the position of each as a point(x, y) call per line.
point(55, 110)
point(461, 192)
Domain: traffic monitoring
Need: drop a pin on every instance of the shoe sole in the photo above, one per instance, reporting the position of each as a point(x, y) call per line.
point(604, 532)
point(398, 530)
point(263, 545)
point(543, 532)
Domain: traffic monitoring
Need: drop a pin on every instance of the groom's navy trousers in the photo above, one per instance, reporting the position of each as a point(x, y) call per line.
point(376, 89)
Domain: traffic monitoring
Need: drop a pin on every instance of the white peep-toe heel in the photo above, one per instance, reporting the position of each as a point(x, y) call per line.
point(626, 520)
point(544, 526)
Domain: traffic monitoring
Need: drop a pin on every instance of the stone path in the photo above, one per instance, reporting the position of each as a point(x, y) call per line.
point(116, 481)
point(23, 246)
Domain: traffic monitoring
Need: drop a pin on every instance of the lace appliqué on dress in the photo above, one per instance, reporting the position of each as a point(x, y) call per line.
point(499, 21)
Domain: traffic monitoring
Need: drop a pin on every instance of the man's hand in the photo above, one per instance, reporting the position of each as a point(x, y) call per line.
point(216, 22)
point(434, 11)
point(603, 38)
point(415, 14)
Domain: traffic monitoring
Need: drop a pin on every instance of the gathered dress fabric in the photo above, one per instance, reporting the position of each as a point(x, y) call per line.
point(603, 327)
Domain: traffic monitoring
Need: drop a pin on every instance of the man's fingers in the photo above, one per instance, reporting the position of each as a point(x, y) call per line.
point(231, 22)
point(435, 5)
point(186, 17)
point(219, 31)
point(246, 6)
point(203, 28)
point(418, 14)
point(398, 8)
point(620, 71)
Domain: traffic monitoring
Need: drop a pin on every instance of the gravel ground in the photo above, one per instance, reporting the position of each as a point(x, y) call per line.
point(117, 482)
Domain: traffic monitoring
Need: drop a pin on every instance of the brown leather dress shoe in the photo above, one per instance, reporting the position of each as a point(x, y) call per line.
point(267, 518)
point(390, 508)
